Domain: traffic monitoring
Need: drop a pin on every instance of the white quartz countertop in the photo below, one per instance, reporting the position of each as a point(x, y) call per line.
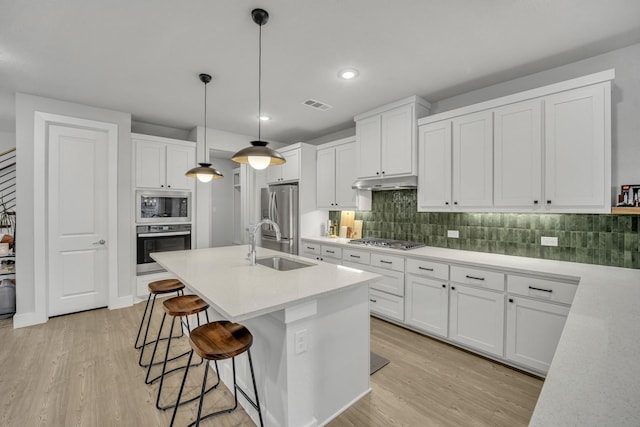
point(239, 291)
point(594, 379)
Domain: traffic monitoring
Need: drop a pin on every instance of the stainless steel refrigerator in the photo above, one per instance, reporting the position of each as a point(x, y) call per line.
point(279, 203)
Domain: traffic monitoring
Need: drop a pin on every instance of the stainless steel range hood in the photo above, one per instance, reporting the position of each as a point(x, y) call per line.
point(391, 183)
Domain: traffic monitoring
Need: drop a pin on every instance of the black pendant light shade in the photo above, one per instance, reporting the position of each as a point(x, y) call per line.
point(204, 172)
point(259, 156)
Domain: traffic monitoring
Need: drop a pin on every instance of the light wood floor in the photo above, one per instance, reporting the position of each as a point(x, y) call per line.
point(81, 370)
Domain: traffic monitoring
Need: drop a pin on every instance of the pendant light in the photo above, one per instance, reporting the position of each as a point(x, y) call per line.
point(204, 172)
point(259, 156)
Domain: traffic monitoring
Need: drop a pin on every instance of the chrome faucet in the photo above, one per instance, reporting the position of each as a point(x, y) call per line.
point(253, 229)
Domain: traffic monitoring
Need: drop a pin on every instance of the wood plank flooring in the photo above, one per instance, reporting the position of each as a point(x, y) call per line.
point(82, 370)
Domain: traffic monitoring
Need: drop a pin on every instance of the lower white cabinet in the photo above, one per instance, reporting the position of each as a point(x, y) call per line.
point(533, 331)
point(326, 253)
point(386, 304)
point(427, 304)
point(476, 318)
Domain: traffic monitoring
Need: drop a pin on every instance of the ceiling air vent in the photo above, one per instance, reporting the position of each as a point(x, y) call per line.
point(317, 105)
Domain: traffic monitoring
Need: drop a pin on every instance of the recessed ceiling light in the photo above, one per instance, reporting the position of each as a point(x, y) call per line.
point(348, 74)
point(265, 118)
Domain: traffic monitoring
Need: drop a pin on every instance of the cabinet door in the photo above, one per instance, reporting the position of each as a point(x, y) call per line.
point(368, 142)
point(576, 155)
point(179, 160)
point(291, 169)
point(326, 178)
point(434, 166)
point(274, 174)
point(387, 305)
point(473, 160)
point(427, 304)
point(518, 155)
point(346, 174)
point(476, 318)
point(398, 141)
point(150, 164)
point(533, 331)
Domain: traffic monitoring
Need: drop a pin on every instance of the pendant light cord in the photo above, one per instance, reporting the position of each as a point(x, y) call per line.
point(205, 122)
point(259, 81)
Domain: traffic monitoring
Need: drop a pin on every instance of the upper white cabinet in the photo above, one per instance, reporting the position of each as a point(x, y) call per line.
point(473, 161)
point(455, 163)
point(336, 169)
point(517, 147)
point(434, 166)
point(161, 163)
point(386, 139)
point(290, 171)
point(578, 149)
point(544, 150)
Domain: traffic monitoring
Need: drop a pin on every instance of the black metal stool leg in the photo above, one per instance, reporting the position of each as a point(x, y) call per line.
point(184, 379)
point(146, 333)
point(146, 307)
point(255, 388)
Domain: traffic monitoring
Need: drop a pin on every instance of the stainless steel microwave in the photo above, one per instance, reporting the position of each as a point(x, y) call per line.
point(163, 207)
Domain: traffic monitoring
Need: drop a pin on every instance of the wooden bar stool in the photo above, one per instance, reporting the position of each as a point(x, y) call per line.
point(219, 341)
point(177, 307)
point(159, 287)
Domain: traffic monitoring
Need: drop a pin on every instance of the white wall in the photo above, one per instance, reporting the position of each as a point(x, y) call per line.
point(625, 104)
point(26, 106)
point(7, 141)
point(221, 209)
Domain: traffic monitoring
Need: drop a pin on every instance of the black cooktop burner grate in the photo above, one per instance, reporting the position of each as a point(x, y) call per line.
point(387, 243)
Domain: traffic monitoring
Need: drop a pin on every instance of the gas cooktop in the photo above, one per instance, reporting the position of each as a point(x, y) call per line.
point(387, 243)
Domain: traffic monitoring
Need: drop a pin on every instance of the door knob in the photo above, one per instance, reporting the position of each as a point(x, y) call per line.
point(100, 242)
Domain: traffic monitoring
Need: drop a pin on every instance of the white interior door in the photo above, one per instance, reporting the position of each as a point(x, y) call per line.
point(78, 166)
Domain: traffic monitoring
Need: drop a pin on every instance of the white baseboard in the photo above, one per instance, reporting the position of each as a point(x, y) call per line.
point(345, 407)
point(121, 302)
point(23, 320)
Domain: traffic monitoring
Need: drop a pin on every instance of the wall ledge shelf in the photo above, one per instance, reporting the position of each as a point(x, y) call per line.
point(625, 211)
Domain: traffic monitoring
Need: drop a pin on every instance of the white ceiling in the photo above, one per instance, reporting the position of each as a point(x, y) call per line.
point(144, 56)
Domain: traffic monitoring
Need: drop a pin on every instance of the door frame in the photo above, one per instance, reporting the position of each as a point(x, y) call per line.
point(41, 229)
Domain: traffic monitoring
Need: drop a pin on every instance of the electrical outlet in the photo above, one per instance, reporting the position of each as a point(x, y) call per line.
point(301, 341)
point(454, 234)
point(549, 241)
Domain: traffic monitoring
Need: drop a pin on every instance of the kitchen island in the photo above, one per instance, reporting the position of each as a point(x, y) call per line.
point(310, 327)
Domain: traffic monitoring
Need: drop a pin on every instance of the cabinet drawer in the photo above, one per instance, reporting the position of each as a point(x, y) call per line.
point(423, 267)
point(331, 252)
point(387, 305)
point(542, 289)
point(310, 249)
point(360, 257)
point(392, 281)
point(387, 261)
point(478, 277)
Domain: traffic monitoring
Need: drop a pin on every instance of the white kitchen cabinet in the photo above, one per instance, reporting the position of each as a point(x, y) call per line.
point(578, 149)
point(161, 164)
point(533, 331)
point(289, 171)
point(387, 305)
point(386, 139)
point(476, 318)
point(142, 282)
point(427, 304)
point(434, 166)
point(472, 183)
point(517, 147)
point(336, 169)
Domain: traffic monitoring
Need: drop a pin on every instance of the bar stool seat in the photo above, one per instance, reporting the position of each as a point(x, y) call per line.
point(176, 307)
point(218, 341)
point(159, 287)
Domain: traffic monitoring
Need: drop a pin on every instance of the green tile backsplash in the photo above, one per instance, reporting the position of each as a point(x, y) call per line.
point(588, 238)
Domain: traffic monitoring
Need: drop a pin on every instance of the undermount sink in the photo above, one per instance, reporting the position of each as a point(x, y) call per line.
point(282, 264)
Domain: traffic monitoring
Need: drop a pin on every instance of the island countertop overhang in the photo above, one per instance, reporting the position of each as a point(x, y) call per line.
point(239, 291)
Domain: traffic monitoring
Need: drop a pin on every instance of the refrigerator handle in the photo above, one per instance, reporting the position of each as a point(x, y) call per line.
point(291, 219)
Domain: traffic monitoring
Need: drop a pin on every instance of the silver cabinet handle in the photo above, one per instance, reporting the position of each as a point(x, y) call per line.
point(99, 242)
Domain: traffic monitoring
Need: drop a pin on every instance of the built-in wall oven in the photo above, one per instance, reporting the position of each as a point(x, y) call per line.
point(163, 207)
point(159, 238)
